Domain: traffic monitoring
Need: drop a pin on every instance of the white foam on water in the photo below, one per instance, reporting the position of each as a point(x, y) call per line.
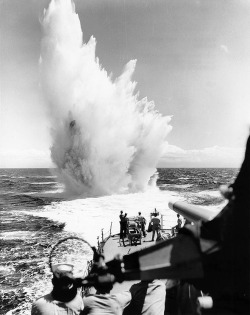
point(42, 176)
point(180, 185)
point(15, 235)
point(43, 183)
point(216, 208)
point(212, 193)
point(105, 139)
point(88, 216)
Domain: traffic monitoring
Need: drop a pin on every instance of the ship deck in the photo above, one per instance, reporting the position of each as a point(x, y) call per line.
point(113, 246)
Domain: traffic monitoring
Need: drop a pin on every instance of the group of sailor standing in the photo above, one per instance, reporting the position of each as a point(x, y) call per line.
point(154, 224)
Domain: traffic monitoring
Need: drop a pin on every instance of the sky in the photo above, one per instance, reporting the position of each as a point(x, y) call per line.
point(193, 61)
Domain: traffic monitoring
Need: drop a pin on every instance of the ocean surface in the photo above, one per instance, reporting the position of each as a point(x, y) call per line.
point(36, 212)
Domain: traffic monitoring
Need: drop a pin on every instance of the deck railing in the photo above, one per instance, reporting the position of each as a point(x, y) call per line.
point(103, 238)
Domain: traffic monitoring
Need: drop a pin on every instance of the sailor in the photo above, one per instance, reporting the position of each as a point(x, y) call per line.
point(121, 216)
point(102, 302)
point(124, 222)
point(179, 224)
point(155, 223)
point(64, 299)
point(105, 303)
point(142, 222)
point(148, 298)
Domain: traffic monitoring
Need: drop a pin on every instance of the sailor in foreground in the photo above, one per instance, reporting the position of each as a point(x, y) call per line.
point(102, 302)
point(64, 298)
point(147, 298)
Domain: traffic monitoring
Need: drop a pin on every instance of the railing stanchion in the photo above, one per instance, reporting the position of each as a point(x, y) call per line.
point(110, 228)
point(98, 243)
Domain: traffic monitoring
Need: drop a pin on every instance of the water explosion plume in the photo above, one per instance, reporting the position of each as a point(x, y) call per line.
point(105, 140)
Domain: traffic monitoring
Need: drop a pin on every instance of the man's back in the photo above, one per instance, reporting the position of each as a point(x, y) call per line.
point(156, 221)
point(97, 304)
point(148, 298)
point(46, 305)
point(141, 219)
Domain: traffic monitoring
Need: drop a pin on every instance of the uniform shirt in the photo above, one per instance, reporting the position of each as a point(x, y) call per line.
point(179, 222)
point(106, 304)
point(148, 298)
point(156, 222)
point(141, 219)
point(46, 305)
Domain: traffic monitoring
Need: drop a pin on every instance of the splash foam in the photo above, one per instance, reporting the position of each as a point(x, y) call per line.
point(104, 139)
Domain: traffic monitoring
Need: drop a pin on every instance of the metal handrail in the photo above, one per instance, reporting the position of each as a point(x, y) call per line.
point(104, 236)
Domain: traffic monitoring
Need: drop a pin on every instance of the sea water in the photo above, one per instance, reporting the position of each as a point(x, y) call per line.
point(37, 192)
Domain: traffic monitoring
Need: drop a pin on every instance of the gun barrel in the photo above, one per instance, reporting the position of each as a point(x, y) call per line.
point(191, 212)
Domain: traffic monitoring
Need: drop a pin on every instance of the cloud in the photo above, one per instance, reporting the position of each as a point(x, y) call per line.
point(173, 157)
point(25, 159)
point(208, 157)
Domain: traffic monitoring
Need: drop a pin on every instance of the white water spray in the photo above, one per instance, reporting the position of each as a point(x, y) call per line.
point(105, 140)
